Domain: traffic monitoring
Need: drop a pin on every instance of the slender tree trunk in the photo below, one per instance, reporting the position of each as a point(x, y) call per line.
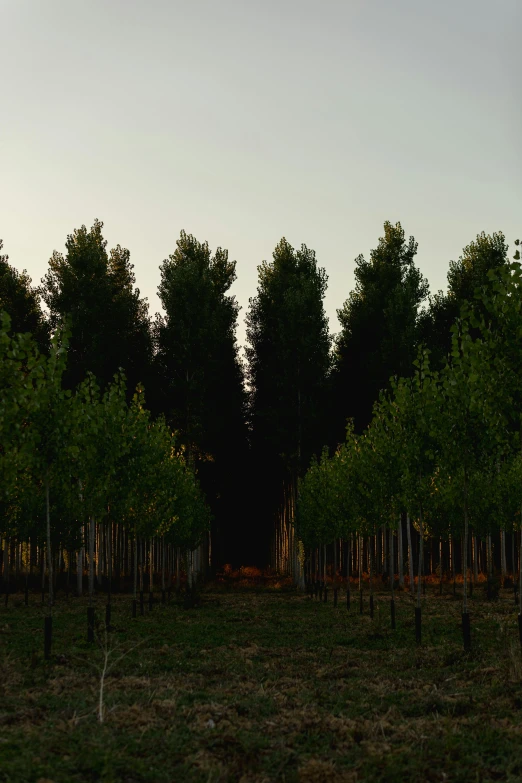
point(5, 569)
point(99, 552)
point(140, 558)
point(400, 552)
point(163, 564)
point(410, 555)
point(6, 575)
point(503, 559)
point(42, 564)
point(392, 564)
point(370, 565)
point(440, 564)
point(92, 532)
point(49, 550)
point(421, 557)
point(135, 569)
point(109, 559)
point(348, 554)
point(465, 547)
point(520, 573)
point(151, 565)
point(360, 565)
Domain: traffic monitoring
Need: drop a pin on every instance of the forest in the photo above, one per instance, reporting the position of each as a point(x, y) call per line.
point(143, 456)
point(228, 445)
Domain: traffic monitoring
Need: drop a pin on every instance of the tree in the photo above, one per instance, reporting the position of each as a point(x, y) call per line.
point(498, 365)
point(50, 425)
point(288, 361)
point(465, 276)
point(379, 328)
point(21, 302)
point(201, 381)
point(413, 415)
point(465, 445)
point(109, 320)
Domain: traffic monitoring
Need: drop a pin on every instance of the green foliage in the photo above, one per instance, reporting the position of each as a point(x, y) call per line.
point(445, 446)
point(109, 321)
point(467, 275)
point(85, 455)
point(201, 379)
point(20, 301)
point(288, 355)
point(378, 326)
point(197, 355)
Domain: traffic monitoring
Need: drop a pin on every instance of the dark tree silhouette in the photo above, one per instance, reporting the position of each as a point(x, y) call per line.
point(465, 276)
point(379, 331)
point(288, 361)
point(109, 321)
point(22, 303)
point(201, 382)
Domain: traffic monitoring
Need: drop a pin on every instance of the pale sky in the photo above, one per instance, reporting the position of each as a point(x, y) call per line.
point(245, 121)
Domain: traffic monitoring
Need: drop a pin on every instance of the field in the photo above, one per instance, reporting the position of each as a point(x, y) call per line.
point(263, 684)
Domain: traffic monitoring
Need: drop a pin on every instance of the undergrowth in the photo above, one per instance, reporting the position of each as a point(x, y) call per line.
point(263, 684)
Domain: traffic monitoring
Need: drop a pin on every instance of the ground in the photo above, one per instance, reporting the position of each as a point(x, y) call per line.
point(263, 684)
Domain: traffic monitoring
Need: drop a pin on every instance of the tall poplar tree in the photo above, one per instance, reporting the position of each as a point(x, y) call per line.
point(110, 326)
point(201, 380)
point(20, 300)
point(465, 276)
point(379, 328)
point(288, 354)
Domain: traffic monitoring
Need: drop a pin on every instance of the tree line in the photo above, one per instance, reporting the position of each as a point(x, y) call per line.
point(444, 448)
point(245, 431)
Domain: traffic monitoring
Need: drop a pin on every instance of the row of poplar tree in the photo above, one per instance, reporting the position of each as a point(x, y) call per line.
point(88, 476)
point(247, 430)
point(444, 447)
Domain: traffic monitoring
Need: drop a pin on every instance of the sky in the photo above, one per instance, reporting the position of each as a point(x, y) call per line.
point(243, 121)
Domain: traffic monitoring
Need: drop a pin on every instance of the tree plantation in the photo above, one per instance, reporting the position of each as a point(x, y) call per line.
point(176, 514)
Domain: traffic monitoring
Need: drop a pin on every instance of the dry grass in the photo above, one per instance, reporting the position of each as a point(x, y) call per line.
point(266, 685)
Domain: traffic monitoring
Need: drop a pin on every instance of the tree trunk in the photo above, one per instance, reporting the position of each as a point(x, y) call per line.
point(465, 547)
point(503, 559)
point(360, 559)
point(163, 564)
point(440, 564)
point(109, 559)
point(421, 557)
point(135, 569)
point(410, 555)
point(348, 554)
point(49, 550)
point(520, 573)
point(400, 552)
point(91, 558)
point(151, 565)
point(392, 564)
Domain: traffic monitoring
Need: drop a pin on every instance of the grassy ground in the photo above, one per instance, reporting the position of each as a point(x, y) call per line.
point(263, 685)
